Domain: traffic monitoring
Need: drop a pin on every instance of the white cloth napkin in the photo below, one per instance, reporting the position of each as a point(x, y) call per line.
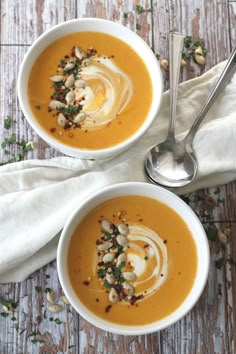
point(38, 196)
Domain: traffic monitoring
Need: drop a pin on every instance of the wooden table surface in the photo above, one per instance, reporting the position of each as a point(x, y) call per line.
point(210, 327)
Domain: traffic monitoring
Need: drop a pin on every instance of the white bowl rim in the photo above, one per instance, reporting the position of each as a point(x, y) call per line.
point(79, 152)
point(190, 300)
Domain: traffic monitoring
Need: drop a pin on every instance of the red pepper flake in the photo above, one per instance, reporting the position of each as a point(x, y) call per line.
point(86, 282)
point(97, 300)
point(146, 246)
point(121, 296)
point(49, 110)
point(52, 130)
point(108, 308)
point(164, 241)
point(66, 56)
point(135, 298)
point(86, 131)
point(140, 219)
point(162, 275)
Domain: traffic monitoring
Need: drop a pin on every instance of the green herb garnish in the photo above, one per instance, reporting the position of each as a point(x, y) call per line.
point(107, 285)
point(38, 289)
point(231, 261)
point(219, 263)
point(8, 122)
point(58, 321)
point(140, 9)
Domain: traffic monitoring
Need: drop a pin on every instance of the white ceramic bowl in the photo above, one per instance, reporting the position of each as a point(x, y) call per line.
point(97, 25)
point(160, 194)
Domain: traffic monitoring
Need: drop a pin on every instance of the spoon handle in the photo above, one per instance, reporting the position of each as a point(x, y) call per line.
point(223, 80)
point(176, 41)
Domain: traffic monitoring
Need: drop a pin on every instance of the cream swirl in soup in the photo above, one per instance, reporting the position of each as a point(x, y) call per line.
point(147, 254)
point(107, 93)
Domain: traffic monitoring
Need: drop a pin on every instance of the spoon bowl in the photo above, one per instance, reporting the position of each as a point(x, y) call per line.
point(172, 167)
point(173, 163)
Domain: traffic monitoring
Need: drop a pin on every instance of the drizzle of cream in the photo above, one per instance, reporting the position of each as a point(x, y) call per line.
point(155, 249)
point(107, 94)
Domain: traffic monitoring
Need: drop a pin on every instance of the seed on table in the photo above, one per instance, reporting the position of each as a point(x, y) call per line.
point(120, 259)
point(113, 296)
point(106, 225)
point(70, 97)
point(122, 240)
point(61, 120)
point(51, 297)
point(80, 117)
point(130, 276)
point(129, 290)
point(56, 104)
point(104, 246)
point(8, 309)
point(70, 81)
point(110, 278)
point(108, 257)
point(55, 308)
point(56, 78)
point(123, 229)
point(81, 83)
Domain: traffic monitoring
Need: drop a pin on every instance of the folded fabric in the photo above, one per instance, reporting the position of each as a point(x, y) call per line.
point(38, 196)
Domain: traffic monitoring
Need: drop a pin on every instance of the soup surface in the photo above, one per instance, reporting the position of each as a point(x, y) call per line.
point(90, 90)
point(139, 271)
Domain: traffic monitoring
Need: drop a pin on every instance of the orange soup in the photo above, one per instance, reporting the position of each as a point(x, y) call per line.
point(90, 90)
point(132, 260)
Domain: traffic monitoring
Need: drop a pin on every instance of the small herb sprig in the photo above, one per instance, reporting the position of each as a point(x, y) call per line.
point(22, 147)
point(139, 11)
point(194, 50)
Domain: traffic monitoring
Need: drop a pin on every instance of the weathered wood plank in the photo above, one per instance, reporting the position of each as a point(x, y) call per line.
point(207, 21)
point(32, 328)
point(209, 327)
point(232, 23)
point(11, 58)
point(23, 21)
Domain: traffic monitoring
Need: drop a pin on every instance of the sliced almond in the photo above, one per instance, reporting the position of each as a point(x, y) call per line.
point(56, 78)
point(130, 276)
point(55, 308)
point(113, 296)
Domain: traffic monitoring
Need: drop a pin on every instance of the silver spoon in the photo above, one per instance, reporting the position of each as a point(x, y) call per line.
point(174, 164)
